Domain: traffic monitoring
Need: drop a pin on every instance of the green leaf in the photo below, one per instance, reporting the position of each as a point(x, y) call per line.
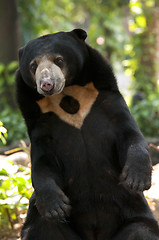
point(141, 21)
point(3, 172)
point(12, 66)
point(2, 68)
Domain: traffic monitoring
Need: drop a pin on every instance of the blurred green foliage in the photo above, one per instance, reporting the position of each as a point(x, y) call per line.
point(141, 59)
point(141, 64)
point(3, 133)
point(98, 17)
point(146, 113)
point(9, 114)
point(15, 191)
point(15, 125)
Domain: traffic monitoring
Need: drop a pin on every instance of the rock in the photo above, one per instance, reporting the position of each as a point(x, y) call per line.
point(20, 158)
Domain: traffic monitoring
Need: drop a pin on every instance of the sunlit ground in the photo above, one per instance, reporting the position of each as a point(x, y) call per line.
point(152, 194)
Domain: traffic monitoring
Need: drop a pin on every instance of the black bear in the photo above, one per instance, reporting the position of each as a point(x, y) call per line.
point(90, 162)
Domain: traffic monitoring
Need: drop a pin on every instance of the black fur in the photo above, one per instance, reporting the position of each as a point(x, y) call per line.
point(88, 182)
point(70, 105)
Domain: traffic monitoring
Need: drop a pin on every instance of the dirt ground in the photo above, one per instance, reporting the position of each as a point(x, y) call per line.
point(152, 196)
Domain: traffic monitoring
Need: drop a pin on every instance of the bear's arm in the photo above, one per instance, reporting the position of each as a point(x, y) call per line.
point(133, 153)
point(47, 178)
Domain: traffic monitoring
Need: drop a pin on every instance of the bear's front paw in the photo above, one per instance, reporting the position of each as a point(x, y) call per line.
point(135, 178)
point(136, 173)
point(54, 205)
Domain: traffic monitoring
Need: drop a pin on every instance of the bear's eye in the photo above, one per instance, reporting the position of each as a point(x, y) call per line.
point(33, 67)
point(59, 61)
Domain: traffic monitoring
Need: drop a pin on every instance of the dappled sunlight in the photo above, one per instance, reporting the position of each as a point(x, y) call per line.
point(152, 195)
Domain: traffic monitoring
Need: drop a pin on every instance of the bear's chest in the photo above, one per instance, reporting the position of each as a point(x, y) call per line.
point(72, 105)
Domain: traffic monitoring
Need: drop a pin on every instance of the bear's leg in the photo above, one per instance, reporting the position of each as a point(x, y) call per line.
point(38, 228)
point(139, 230)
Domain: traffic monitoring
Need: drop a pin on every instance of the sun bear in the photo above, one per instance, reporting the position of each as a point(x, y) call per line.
point(90, 162)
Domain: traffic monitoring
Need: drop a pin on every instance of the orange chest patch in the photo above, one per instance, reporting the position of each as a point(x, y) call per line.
point(72, 105)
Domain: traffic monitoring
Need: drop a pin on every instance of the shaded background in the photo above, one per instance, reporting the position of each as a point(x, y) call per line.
point(125, 32)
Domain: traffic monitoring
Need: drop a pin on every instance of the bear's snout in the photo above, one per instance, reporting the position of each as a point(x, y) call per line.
point(46, 85)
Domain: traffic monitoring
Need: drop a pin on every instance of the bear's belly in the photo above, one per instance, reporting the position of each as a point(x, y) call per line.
point(97, 224)
point(72, 105)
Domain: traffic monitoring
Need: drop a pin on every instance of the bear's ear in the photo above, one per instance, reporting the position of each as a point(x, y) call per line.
point(80, 33)
point(20, 53)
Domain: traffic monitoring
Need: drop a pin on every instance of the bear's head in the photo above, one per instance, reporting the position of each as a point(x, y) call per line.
point(51, 62)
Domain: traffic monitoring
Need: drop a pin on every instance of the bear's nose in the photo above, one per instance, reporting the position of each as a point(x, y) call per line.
point(46, 85)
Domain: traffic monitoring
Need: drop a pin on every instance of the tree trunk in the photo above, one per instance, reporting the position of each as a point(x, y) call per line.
point(9, 44)
point(156, 33)
point(9, 39)
point(149, 47)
